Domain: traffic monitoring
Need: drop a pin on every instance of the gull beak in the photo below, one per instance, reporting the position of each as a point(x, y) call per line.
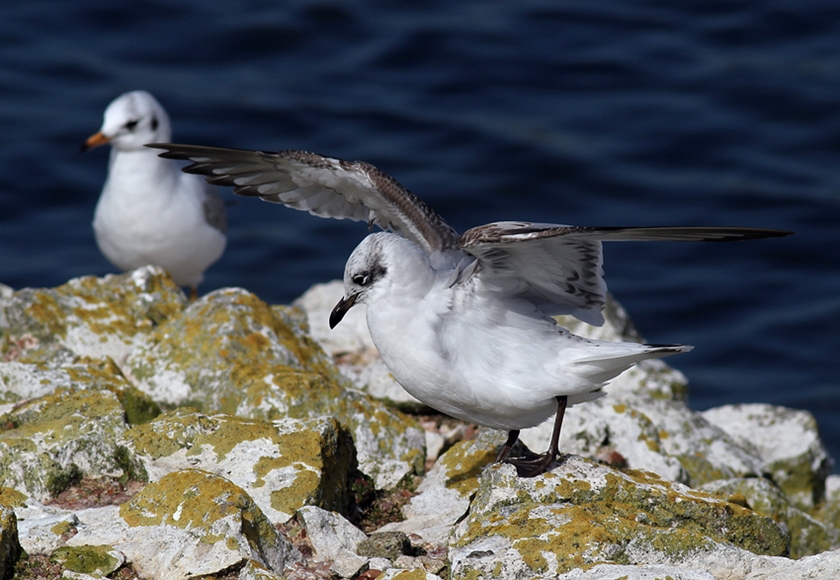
point(341, 309)
point(94, 140)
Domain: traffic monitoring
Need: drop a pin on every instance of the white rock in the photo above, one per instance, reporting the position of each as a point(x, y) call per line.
point(329, 532)
point(654, 572)
point(37, 526)
point(788, 443)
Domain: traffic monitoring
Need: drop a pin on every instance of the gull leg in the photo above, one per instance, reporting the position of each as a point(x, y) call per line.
point(505, 450)
point(540, 464)
point(193, 293)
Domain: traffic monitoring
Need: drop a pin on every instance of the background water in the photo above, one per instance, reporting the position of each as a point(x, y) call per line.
point(583, 112)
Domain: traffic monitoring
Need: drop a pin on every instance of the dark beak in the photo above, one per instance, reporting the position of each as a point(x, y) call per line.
point(341, 309)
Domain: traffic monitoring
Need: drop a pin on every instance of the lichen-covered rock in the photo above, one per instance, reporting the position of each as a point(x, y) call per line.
point(60, 438)
point(788, 442)
point(624, 572)
point(190, 523)
point(230, 352)
point(19, 381)
point(283, 465)
point(807, 535)
point(658, 435)
point(583, 513)
point(87, 316)
point(255, 571)
point(9, 545)
point(97, 561)
point(334, 539)
point(444, 495)
point(829, 511)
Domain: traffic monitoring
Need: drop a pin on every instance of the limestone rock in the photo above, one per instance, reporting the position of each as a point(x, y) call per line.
point(444, 496)
point(87, 316)
point(10, 549)
point(334, 539)
point(583, 513)
point(616, 571)
point(57, 439)
point(190, 523)
point(788, 443)
point(807, 535)
point(20, 381)
point(230, 352)
point(96, 561)
point(283, 465)
point(658, 435)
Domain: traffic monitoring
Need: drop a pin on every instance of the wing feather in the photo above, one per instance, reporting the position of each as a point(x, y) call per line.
point(323, 186)
point(559, 268)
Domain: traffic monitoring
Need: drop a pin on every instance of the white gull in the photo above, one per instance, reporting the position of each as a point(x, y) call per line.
point(462, 322)
point(150, 212)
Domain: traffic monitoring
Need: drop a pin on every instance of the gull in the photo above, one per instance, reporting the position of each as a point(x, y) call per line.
point(464, 323)
point(150, 212)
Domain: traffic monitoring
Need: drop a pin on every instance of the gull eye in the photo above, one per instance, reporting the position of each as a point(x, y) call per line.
point(361, 279)
point(154, 123)
point(131, 125)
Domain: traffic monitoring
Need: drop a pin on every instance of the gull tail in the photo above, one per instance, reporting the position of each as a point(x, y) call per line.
point(614, 358)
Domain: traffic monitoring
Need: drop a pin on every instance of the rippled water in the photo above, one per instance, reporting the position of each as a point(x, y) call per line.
point(582, 112)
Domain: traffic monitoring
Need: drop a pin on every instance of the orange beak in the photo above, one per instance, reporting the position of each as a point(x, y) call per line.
point(94, 140)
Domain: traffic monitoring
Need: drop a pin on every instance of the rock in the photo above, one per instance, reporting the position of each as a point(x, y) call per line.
point(20, 381)
point(10, 549)
point(190, 523)
point(60, 438)
point(616, 571)
point(96, 317)
point(96, 561)
point(807, 535)
point(390, 545)
point(230, 352)
point(444, 496)
point(334, 539)
point(283, 465)
point(416, 574)
point(583, 513)
point(788, 443)
point(253, 570)
point(43, 528)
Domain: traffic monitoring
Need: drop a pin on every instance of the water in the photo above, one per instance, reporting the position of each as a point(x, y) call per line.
point(582, 112)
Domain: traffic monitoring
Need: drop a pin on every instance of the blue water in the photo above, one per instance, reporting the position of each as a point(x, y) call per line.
point(585, 112)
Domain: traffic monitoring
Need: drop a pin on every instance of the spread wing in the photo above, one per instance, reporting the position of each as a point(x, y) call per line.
point(559, 268)
point(323, 186)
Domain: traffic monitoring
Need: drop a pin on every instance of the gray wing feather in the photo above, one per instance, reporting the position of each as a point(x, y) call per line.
point(559, 268)
point(323, 186)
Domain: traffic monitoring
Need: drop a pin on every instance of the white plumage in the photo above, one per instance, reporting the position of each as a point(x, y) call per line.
point(462, 322)
point(150, 212)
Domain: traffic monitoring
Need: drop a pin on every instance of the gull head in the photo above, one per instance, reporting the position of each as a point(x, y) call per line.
point(132, 120)
point(366, 266)
point(383, 265)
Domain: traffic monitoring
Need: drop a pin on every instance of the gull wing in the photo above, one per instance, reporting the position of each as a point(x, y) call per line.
point(323, 186)
point(559, 268)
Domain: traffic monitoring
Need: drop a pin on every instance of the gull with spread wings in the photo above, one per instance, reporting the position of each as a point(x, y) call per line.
point(464, 323)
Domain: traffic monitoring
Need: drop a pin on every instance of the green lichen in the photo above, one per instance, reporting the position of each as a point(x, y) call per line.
point(583, 525)
point(93, 560)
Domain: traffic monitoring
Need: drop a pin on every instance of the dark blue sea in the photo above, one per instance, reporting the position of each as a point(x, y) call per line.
point(587, 112)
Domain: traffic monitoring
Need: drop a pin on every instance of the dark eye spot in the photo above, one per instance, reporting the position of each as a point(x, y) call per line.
point(361, 279)
point(154, 123)
point(131, 125)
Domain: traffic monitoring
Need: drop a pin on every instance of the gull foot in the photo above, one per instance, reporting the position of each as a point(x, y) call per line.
point(532, 466)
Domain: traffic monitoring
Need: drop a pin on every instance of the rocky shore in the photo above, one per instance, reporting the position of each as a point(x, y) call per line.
point(143, 436)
